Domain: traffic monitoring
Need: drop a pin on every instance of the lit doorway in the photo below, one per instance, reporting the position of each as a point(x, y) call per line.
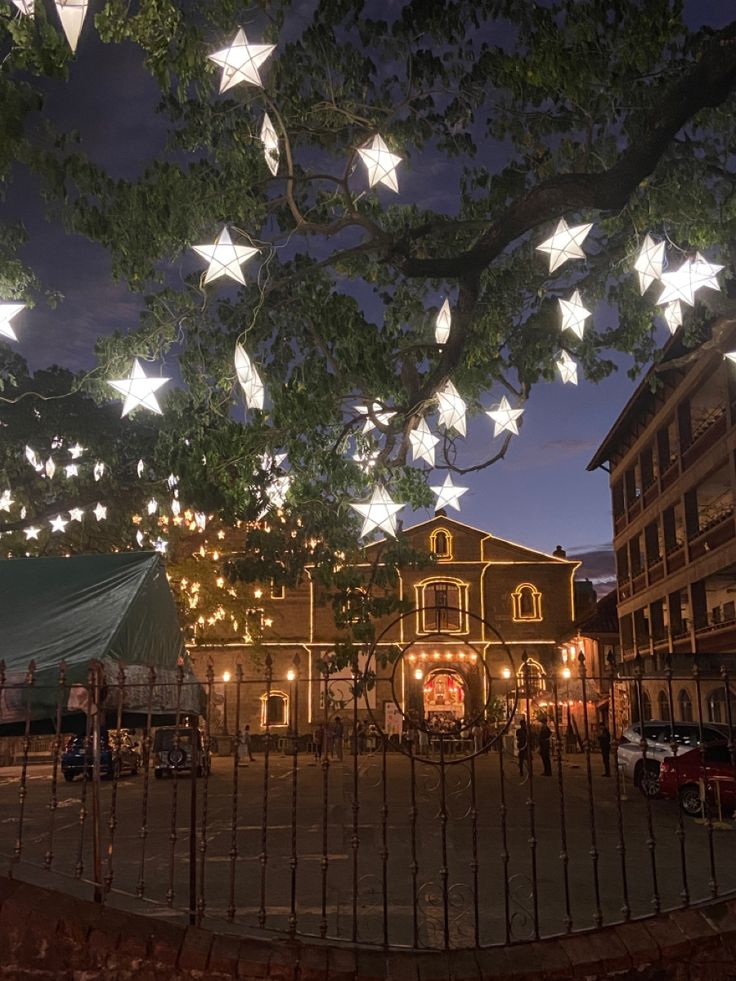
point(444, 696)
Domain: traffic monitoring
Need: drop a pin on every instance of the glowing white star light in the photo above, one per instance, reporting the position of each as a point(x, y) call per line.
point(140, 538)
point(250, 380)
point(6, 501)
point(7, 312)
point(423, 442)
point(99, 470)
point(730, 356)
point(379, 512)
point(33, 459)
point(76, 451)
point(574, 314)
point(58, 523)
point(443, 323)
point(100, 512)
point(270, 141)
point(76, 514)
point(381, 163)
point(448, 494)
point(451, 409)
point(72, 14)
point(224, 257)
point(673, 315)
point(504, 417)
point(377, 412)
point(139, 390)
point(71, 470)
point(50, 468)
point(366, 460)
point(240, 61)
point(649, 262)
point(31, 532)
point(564, 243)
point(678, 285)
point(703, 273)
point(568, 369)
point(152, 506)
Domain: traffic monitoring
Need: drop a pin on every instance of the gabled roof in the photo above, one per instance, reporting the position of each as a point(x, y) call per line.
point(603, 619)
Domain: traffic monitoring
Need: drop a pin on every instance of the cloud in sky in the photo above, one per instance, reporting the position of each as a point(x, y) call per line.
point(598, 565)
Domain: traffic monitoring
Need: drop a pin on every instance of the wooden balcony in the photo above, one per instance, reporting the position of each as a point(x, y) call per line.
point(619, 522)
point(624, 588)
point(668, 477)
point(676, 559)
point(650, 493)
point(713, 429)
point(633, 509)
point(656, 571)
point(711, 538)
point(639, 582)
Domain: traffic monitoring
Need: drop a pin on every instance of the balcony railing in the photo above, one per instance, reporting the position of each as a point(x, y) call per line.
point(709, 430)
point(717, 534)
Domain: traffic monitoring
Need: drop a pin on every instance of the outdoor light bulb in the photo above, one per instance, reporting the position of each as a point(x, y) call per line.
point(564, 243)
point(290, 675)
point(226, 676)
point(566, 672)
point(240, 61)
point(506, 673)
point(418, 674)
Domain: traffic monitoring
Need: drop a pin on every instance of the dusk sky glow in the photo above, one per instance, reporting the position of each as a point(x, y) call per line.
point(540, 495)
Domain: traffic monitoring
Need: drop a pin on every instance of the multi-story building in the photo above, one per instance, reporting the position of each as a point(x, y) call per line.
point(671, 455)
point(480, 603)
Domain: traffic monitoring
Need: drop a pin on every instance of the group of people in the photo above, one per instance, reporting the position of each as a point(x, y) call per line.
point(543, 738)
point(328, 739)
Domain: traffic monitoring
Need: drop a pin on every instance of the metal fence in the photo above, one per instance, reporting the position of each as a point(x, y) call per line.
point(457, 837)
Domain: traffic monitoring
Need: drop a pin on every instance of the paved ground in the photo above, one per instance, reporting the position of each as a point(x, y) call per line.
point(325, 848)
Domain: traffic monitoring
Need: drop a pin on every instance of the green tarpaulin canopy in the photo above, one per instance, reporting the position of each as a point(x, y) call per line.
point(113, 609)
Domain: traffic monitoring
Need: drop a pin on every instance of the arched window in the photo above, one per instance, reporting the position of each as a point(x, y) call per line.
point(663, 706)
point(352, 607)
point(646, 706)
point(274, 709)
point(527, 602)
point(534, 674)
point(717, 708)
point(442, 604)
point(686, 706)
point(440, 543)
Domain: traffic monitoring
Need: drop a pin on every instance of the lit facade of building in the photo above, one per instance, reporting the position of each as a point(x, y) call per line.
point(475, 609)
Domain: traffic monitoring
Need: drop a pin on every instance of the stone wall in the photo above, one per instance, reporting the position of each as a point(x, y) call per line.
point(48, 935)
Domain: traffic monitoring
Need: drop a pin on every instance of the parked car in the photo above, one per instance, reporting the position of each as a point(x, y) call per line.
point(701, 776)
point(642, 769)
point(172, 751)
point(118, 755)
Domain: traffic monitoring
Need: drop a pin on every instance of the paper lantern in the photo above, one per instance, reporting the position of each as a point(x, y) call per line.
point(568, 369)
point(138, 390)
point(423, 442)
point(100, 512)
point(443, 323)
point(451, 409)
point(574, 314)
point(224, 257)
point(72, 14)
point(564, 243)
point(270, 141)
point(379, 512)
point(240, 61)
point(448, 494)
point(249, 379)
point(58, 524)
point(76, 514)
point(381, 163)
point(649, 262)
point(504, 417)
point(7, 312)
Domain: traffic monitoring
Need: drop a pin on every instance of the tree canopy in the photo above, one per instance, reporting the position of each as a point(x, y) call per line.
point(603, 111)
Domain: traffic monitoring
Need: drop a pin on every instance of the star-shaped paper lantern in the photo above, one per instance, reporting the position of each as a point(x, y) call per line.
point(240, 61)
point(26, 7)
point(200, 520)
point(250, 380)
point(564, 243)
point(139, 390)
point(678, 285)
point(50, 468)
point(160, 544)
point(381, 163)
point(366, 460)
point(33, 459)
point(504, 417)
point(71, 470)
point(31, 532)
point(6, 501)
point(574, 314)
point(58, 523)
point(175, 506)
point(448, 494)
point(379, 512)
point(568, 369)
point(224, 257)
point(152, 506)
point(703, 273)
point(100, 512)
point(270, 141)
point(649, 262)
point(7, 312)
point(99, 470)
point(72, 14)
point(171, 481)
point(730, 356)
point(76, 514)
point(76, 451)
point(443, 323)
point(423, 442)
point(381, 415)
point(270, 461)
point(140, 538)
point(673, 315)
point(451, 409)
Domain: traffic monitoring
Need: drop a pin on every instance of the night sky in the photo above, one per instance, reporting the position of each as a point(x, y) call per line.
point(540, 496)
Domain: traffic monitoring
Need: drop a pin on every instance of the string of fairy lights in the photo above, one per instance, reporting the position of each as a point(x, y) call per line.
point(241, 62)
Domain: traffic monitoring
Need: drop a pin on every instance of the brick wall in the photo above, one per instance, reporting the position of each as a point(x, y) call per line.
point(47, 935)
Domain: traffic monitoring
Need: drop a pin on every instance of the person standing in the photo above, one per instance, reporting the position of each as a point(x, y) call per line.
point(339, 735)
point(318, 736)
point(245, 750)
point(545, 738)
point(478, 733)
point(522, 744)
point(604, 744)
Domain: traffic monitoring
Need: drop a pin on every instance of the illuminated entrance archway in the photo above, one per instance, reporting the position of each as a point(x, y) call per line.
point(444, 695)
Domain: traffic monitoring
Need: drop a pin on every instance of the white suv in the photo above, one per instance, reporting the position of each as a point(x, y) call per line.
point(641, 768)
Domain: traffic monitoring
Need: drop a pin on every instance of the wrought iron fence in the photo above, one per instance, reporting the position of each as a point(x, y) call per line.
point(429, 837)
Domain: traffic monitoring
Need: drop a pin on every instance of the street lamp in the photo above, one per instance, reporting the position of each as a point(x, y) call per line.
point(293, 722)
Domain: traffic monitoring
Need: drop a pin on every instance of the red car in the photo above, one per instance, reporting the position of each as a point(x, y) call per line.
point(710, 771)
